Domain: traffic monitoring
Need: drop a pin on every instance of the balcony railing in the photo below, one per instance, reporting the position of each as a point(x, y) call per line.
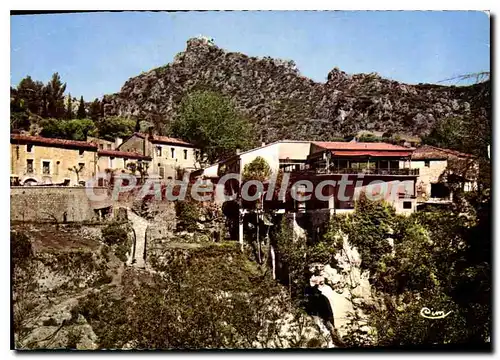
point(375, 171)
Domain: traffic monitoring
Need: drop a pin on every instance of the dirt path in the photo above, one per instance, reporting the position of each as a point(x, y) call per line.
point(140, 226)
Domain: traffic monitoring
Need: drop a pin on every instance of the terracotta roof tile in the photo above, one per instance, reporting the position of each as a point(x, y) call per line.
point(374, 146)
point(164, 139)
point(372, 153)
point(51, 141)
point(431, 152)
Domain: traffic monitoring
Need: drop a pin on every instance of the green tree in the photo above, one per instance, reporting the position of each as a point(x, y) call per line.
point(54, 92)
point(212, 123)
point(81, 114)
point(31, 94)
point(449, 133)
point(112, 127)
point(369, 228)
point(76, 129)
point(257, 169)
point(69, 108)
point(95, 110)
point(79, 129)
point(293, 260)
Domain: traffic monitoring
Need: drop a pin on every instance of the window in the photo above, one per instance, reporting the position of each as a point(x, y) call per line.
point(158, 151)
point(406, 204)
point(427, 163)
point(29, 148)
point(46, 167)
point(29, 166)
point(162, 172)
point(440, 190)
point(101, 146)
point(125, 162)
point(111, 162)
point(172, 151)
point(185, 154)
point(109, 146)
point(80, 152)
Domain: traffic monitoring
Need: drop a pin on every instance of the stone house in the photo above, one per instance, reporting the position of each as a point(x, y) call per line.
point(103, 144)
point(286, 155)
point(171, 158)
point(116, 161)
point(37, 160)
point(438, 168)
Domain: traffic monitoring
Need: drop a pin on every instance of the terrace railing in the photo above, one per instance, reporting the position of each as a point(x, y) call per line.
point(374, 171)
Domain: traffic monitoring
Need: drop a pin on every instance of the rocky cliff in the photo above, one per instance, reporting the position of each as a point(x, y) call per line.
point(284, 104)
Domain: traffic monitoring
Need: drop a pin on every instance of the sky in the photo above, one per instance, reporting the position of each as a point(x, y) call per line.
point(95, 53)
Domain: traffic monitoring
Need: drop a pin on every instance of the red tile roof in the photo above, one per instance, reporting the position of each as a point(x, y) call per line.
point(52, 142)
point(170, 140)
point(375, 146)
point(164, 139)
point(431, 152)
point(122, 154)
point(372, 153)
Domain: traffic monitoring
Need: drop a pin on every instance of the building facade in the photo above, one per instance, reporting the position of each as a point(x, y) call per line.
point(170, 157)
point(286, 155)
point(103, 144)
point(116, 161)
point(382, 171)
point(436, 166)
point(36, 160)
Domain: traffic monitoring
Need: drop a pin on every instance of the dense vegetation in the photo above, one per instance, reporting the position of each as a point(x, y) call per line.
point(211, 122)
point(47, 111)
point(439, 260)
point(206, 298)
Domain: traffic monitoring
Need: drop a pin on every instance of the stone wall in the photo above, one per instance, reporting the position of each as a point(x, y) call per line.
point(50, 203)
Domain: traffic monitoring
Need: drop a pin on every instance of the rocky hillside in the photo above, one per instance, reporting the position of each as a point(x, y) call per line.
point(284, 104)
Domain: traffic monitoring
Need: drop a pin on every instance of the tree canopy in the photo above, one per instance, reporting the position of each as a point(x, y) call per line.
point(212, 123)
point(258, 169)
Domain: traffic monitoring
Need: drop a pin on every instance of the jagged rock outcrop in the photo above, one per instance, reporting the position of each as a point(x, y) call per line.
point(284, 104)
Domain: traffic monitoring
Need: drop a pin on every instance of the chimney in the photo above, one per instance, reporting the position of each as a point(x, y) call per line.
point(263, 144)
point(237, 151)
point(118, 142)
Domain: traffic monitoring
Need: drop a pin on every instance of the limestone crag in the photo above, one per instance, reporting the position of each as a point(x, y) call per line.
point(282, 103)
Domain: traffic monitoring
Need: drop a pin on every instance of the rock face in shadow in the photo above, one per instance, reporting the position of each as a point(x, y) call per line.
point(282, 103)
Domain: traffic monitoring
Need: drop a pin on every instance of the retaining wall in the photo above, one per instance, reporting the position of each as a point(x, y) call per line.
point(50, 203)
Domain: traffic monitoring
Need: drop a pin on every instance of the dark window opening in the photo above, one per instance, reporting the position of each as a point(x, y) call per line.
point(46, 167)
point(185, 154)
point(29, 148)
point(158, 151)
point(427, 163)
point(440, 190)
point(29, 166)
point(406, 204)
point(81, 152)
point(172, 151)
